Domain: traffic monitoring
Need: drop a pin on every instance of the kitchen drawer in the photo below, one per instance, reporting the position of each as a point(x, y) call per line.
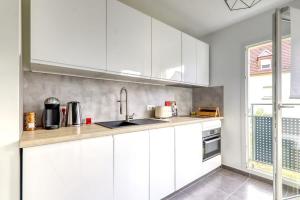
point(211, 125)
point(211, 164)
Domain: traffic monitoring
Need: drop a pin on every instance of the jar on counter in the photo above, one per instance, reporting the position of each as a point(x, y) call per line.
point(29, 121)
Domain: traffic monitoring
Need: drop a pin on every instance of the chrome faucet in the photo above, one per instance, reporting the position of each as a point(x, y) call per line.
point(127, 117)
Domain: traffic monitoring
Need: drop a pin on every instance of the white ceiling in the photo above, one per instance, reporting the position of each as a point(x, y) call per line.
point(199, 17)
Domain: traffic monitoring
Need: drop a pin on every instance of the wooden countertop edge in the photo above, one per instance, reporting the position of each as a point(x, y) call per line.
point(36, 141)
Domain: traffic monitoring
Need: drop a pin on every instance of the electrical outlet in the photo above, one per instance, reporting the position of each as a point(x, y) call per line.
point(150, 107)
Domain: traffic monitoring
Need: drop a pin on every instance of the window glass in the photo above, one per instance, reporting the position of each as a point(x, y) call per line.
point(265, 64)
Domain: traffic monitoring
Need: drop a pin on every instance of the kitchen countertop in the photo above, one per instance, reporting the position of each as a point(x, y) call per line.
point(42, 137)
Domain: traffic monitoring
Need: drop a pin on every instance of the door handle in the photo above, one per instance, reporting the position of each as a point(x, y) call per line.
point(280, 106)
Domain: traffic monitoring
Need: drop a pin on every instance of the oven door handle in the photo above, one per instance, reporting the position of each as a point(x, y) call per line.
point(211, 141)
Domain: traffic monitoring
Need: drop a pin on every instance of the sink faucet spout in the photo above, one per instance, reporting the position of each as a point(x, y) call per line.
point(127, 117)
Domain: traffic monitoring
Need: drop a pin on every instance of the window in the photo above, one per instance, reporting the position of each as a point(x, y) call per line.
point(259, 121)
point(265, 64)
point(267, 93)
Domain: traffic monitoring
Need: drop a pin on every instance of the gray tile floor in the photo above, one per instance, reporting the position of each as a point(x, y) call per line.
point(227, 185)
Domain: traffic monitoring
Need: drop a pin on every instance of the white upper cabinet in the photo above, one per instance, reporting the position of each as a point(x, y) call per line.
point(166, 52)
point(69, 32)
point(189, 59)
point(131, 158)
point(106, 38)
point(202, 63)
point(188, 143)
point(162, 158)
point(128, 40)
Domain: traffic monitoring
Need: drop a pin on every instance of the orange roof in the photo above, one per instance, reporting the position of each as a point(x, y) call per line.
point(264, 51)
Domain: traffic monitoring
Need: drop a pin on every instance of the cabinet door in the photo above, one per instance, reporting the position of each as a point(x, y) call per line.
point(166, 51)
point(211, 164)
point(69, 32)
point(162, 166)
point(202, 63)
point(188, 143)
point(52, 172)
point(69, 171)
point(97, 168)
point(131, 157)
point(128, 40)
point(189, 59)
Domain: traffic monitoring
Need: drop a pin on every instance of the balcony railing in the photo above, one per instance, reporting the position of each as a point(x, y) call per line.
point(261, 134)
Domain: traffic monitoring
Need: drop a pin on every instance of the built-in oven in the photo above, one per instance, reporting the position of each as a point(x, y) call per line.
point(211, 143)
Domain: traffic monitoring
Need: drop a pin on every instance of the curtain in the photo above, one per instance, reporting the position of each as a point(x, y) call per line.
point(295, 42)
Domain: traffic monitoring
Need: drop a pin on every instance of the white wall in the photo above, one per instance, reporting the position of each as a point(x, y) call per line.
point(9, 99)
point(227, 50)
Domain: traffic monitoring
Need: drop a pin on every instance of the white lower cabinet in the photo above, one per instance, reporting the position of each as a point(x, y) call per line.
point(188, 148)
point(131, 168)
point(97, 168)
point(69, 171)
point(162, 168)
point(145, 165)
point(211, 164)
point(52, 172)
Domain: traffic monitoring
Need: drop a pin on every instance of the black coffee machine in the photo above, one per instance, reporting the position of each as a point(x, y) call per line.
point(51, 114)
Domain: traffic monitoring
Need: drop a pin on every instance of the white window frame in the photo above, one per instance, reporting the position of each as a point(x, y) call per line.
point(246, 136)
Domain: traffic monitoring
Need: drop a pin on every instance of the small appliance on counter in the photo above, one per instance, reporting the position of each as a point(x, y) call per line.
point(162, 112)
point(173, 106)
point(51, 113)
point(74, 116)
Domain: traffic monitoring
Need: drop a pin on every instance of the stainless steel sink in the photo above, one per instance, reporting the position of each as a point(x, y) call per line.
point(134, 122)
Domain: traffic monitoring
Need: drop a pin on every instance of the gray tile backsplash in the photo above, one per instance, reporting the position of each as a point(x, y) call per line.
point(208, 96)
point(99, 97)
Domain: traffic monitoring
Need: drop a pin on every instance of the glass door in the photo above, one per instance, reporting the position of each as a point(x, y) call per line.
point(286, 110)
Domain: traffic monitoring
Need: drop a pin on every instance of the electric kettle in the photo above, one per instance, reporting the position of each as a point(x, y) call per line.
point(73, 114)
